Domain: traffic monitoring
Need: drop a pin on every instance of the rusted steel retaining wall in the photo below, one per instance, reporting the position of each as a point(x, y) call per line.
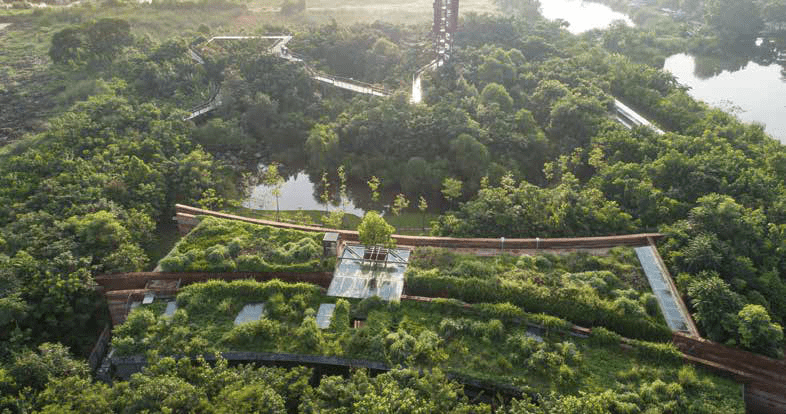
point(125, 288)
point(764, 378)
point(138, 280)
point(187, 218)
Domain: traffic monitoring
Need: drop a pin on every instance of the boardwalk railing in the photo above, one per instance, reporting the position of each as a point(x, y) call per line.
point(187, 218)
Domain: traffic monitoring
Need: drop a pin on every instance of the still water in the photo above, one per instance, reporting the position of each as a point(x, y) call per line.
point(753, 92)
point(582, 15)
point(297, 193)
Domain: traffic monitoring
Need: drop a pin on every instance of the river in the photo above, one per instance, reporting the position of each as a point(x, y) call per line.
point(581, 15)
point(753, 88)
point(755, 92)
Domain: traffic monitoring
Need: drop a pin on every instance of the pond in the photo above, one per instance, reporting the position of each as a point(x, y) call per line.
point(582, 15)
point(754, 91)
point(297, 193)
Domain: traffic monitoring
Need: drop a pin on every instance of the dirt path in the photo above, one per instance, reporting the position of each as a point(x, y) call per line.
point(3, 26)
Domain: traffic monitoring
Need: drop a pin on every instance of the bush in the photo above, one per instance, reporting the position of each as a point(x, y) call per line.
point(253, 334)
point(577, 308)
point(340, 321)
point(220, 245)
point(659, 353)
point(603, 336)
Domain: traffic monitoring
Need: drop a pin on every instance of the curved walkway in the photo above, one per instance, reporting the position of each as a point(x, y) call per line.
point(280, 50)
point(187, 218)
point(622, 113)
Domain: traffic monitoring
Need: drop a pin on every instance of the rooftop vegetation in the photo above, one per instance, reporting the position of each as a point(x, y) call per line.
point(496, 343)
point(609, 291)
point(219, 245)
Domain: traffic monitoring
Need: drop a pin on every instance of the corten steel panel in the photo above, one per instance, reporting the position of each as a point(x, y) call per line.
point(453, 242)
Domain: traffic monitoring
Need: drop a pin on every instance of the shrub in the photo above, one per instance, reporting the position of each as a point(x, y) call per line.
point(255, 333)
point(217, 254)
point(224, 245)
point(603, 336)
point(576, 306)
point(521, 347)
point(687, 376)
point(340, 321)
point(659, 353)
point(308, 337)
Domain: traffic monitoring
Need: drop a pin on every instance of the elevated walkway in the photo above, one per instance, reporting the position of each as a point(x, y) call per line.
point(630, 118)
point(279, 49)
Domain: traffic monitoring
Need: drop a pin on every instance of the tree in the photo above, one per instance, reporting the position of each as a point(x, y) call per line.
point(471, 157)
point(68, 45)
point(373, 185)
point(74, 394)
point(774, 11)
point(451, 189)
point(107, 36)
point(758, 333)
point(271, 178)
point(374, 230)
point(250, 398)
point(322, 147)
point(495, 93)
point(325, 196)
point(715, 307)
point(733, 19)
point(342, 186)
point(399, 204)
point(35, 369)
point(422, 206)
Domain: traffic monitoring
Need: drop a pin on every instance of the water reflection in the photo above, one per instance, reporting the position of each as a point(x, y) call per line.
point(298, 192)
point(750, 85)
point(581, 15)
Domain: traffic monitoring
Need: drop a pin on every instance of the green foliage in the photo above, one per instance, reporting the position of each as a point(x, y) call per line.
point(400, 203)
point(374, 230)
point(527, 210)
point(52, 361)
point(226, 246)
point(486, 341)
point(733, 19)
point(251, 334)
point(340, 321)
point(716, 307)
point(588, 298)
point(401, 390)
point(758, 333)
point(99, 40)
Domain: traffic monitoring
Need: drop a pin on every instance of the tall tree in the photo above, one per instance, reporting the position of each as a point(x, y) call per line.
point(374, 230)
point(733, 19)
point(273, 179)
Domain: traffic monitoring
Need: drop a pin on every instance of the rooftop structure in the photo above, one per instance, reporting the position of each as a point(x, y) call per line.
point(362, 272)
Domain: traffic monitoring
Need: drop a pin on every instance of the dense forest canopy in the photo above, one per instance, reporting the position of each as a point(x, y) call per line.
point(515, 138)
